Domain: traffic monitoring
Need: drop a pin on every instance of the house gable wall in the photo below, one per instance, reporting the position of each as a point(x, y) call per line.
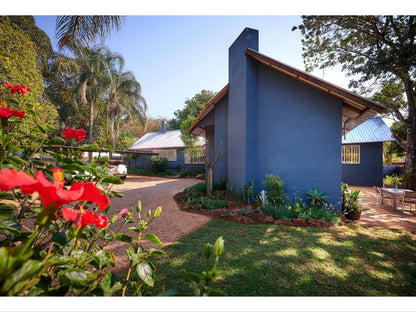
point(370, 170)
point(299, 135)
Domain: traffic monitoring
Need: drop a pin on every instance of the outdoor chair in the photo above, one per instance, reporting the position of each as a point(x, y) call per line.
point(409, 197)
point(389, 186)
point(382, 195)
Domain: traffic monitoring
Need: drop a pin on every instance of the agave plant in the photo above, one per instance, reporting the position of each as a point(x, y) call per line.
point(317, 197)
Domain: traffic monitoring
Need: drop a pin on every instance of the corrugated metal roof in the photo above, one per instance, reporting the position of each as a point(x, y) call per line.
point(155, 140)
point(372, 130)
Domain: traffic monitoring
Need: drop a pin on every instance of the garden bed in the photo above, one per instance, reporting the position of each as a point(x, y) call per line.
point(246, 214)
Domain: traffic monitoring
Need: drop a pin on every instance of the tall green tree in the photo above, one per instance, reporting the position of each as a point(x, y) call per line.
point(190, 140)
point(192, 108)
point(379, 50)
point(123, 96)
point(18, 66)
point(73, 31)
point(91, 66)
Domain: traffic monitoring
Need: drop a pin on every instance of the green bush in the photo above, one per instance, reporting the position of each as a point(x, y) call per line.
point(276, 194)
point(139, 171)
point(317, 197)
point(159, 164)
point(285, 212)
point(394, 180)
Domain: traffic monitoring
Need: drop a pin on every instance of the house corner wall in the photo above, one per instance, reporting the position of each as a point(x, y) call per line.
point(242, 104)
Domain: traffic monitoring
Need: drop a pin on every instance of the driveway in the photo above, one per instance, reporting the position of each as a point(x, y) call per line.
point(153, 192)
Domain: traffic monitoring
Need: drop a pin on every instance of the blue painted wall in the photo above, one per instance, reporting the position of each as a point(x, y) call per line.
point(242, 101)
point(221, 120)
point(370, 170)
point(299, 135)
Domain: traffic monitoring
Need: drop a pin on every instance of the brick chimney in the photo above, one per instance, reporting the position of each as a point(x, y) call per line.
point(164, 126)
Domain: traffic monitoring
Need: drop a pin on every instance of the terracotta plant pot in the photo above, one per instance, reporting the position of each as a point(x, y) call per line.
point(357, 215)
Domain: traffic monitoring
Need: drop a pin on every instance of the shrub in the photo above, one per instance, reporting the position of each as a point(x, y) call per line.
point(285, 212)
point(276, 194)
point(394, 180)
point(139, 171)
point(159, 164)
point(317, 197)
point(199, 187)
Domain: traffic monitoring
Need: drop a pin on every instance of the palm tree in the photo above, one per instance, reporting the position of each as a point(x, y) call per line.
point(91, 65)
point(124, 99)
point(77, 30)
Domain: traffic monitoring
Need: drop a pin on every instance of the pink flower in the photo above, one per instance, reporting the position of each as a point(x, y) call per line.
point(122, 212)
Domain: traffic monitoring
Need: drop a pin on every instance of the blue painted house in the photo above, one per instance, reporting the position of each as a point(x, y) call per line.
point(362, 153)
point(272, 118)
point(166, 144)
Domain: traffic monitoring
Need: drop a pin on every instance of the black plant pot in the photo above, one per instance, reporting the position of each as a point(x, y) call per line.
point(351, 215)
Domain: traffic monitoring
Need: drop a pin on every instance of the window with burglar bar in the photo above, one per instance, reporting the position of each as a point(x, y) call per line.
point(350, 154)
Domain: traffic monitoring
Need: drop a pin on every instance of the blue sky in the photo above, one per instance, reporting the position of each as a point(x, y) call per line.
point(175, 57)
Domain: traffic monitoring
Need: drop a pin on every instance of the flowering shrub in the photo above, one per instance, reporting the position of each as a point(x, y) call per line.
point(54, 215)
point(53, 235)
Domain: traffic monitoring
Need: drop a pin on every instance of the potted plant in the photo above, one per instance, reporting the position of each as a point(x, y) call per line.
point(352, 204)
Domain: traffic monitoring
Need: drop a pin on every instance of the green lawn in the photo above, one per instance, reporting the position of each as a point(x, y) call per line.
point(269, 260)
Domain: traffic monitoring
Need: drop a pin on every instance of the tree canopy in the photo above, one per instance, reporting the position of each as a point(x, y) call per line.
point(192, 108)
point(378, 51)
point(18, 67)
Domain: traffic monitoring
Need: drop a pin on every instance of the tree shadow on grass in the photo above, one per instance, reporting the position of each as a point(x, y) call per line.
point(269, 260)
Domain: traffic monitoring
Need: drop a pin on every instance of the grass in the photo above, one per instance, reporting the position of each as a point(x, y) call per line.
point(269, 260)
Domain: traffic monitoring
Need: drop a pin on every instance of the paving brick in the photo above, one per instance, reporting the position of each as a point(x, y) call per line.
point(153, 192)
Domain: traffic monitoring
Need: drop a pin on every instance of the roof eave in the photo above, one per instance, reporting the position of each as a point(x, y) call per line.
point(194, 129)
point(315, 82)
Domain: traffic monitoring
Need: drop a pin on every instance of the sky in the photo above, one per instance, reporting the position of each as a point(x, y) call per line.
point(175, 57)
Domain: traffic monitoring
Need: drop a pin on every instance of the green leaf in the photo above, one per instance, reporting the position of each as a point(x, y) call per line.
point(7, 208)
point(112, 180)
point(123, 237)
point(157, 252)
point(146, 272)
point(153, 238)
point(5, 195)
point(190, 276)
point(89, 147)
point(101, 259)
point(109, 148)
point(109, 284)
point(9, 223)
point(29, 269)
point(60, 238)
point(78, 278)
point(12, 101)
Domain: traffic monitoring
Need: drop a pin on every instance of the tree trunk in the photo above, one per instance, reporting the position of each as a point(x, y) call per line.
point(209, 179)
point(410, 162)
point(91, 127)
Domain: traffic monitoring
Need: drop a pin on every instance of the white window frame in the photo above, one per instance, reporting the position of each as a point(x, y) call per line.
point(170, 153)
point(197, 160)
point(350, 154)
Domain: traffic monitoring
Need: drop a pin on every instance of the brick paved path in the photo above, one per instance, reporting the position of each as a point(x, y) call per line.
point(153, 192)
point(385, 215)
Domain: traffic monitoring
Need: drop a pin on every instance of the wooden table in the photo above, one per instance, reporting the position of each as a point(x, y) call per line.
point(395, 192)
